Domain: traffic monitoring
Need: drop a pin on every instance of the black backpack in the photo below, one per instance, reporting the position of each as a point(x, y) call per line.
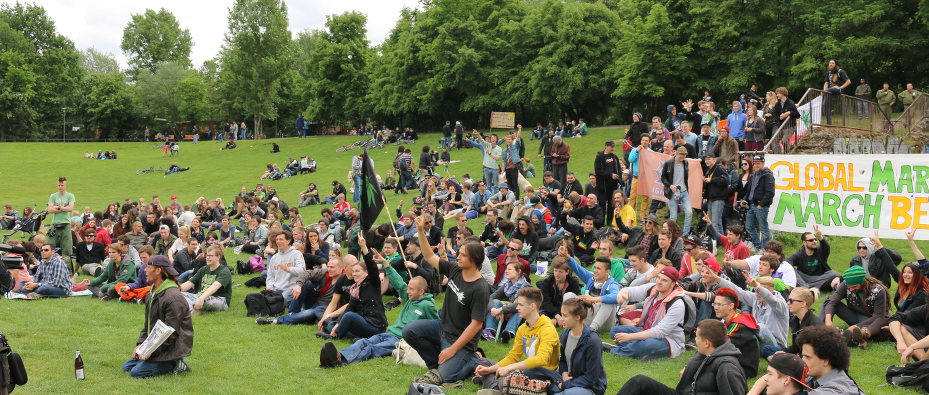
point(264, 303)
point(243, 267)
point(914, 374)
point(12, 370)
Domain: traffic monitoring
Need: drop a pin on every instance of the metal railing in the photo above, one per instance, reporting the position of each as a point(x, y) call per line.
point(819, 109)
point(910, 119)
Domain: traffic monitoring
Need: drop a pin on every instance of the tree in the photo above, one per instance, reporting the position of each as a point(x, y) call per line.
point(255, 56)
point(336, 77)
point(157, 91)
point(191, 94)
point(53, 61)
point(94, 61)
point(107, 105)
point(155, 37)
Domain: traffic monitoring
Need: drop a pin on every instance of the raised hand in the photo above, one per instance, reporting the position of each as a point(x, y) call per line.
point(876, 241)
point(817, 232)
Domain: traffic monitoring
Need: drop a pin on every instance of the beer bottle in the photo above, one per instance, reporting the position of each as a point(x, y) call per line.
point(78, 366)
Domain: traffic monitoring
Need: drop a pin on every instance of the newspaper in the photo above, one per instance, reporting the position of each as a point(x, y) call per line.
point(159, 334)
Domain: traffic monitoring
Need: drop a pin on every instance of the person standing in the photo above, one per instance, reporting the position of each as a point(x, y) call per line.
point(608, 168)
point(166, 304)
point(885, 100)
point(908, 96)
point(446, 134)
point(674, 175)
point(634, 154)
point(492, 153)
point(836, 80)
point(760, 196)
point(60, 205)
point(545, 149)
point(561, 155)
point(863, 92)
point(459, 133)
point(736, 121)
point(512, 159)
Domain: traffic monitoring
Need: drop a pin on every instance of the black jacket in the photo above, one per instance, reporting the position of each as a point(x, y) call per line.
point(586, 362)
point(787, 106)
point(596, 212)
point(635, 236)
point(552, 297)
point(369, 303)
point(667, 175)
point(605, 166)
point(797, 325)
point(764, 190)
point(94, 255)
point(717, 373)
point(718, 187)
point(636, 131)
point(674, 255)
point(882, 265)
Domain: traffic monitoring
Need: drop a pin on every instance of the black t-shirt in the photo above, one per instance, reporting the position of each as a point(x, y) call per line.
point(464, 301)
point(341, 288)
point(836, 78)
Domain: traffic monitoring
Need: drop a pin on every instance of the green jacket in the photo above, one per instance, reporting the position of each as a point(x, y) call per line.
point(886, 97)
point(907, 97)
point(125, 274)
point(863, 91)
point(422, 308)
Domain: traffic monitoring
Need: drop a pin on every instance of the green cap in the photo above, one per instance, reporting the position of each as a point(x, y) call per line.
point(854, 275)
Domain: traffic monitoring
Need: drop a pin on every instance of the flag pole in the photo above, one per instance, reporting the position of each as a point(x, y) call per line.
point(394, 227)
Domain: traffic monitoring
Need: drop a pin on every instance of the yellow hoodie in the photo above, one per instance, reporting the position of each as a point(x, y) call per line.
point(539, 344)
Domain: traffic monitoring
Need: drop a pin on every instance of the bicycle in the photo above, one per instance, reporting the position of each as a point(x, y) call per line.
point(149, 170)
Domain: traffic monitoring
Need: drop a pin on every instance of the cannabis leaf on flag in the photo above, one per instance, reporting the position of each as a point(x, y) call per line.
point(372, 198)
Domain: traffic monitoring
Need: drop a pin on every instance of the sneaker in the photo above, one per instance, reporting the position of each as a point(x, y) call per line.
point(476, 380)
point(506, 336)
point(329, 356)
point(237, 250)
point(431, 377)
point(33, 296)
point(489, 335)
point(324, 335)
point(265, 321)
point(607, 346)
point(182, 366)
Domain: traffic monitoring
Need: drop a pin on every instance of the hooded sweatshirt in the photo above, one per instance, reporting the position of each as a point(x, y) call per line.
point(736, 122)
point(878, 263)
point(717, 373)
point(538, 343)
point(422, 308)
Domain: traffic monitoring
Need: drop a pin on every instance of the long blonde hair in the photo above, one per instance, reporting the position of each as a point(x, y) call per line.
point(770, 99)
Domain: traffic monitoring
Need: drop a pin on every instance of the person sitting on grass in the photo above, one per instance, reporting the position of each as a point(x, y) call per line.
point(284, 267)
point(313, 291)
point(786, 376)
point(660, 331)
point(559, 283)
point(866, 308)
point(827, 357)
point(502, 302)
point(639, 268)
point(704, 284)
point(211, 284)
point(512, 253)
point(89, 254)
point(419, 305)
point(618, 269)
point(812, 261)
point(448, 345)
point(51, 276)
point(136, 291)
point(741, 328)
point(536, 340)
point(364, 314)
point(117, 270)
point(581, 361)
point(783, 270)
point(166, 304)
point(601, 289)
point(714, 368)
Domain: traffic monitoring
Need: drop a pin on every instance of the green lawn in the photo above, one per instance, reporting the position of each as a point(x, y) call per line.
point(231, 353)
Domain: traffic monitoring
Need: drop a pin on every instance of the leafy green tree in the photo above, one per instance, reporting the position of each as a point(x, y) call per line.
point(156, 92)
point(191, 94)
point(255, 57)
point(336, 77)
point(53, 61)
point(155, 37)
point(107, 105)
point(94, 61)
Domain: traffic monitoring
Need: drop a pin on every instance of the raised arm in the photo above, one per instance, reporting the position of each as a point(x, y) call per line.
point(429, 256)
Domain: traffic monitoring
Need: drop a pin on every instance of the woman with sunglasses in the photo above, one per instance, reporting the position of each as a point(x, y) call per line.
point(800, 303)
point(645, 235)
point(879, 262)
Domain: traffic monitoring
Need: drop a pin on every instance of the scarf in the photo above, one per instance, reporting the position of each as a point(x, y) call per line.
point(325, 287)
point(355, 290)
point(652, 314)
point(510, 288)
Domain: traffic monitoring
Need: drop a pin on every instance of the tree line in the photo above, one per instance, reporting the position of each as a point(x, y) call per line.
point(546, 60)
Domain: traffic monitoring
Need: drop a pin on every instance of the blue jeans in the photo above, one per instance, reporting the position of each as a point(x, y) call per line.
point(511, 324)
point(377, 346)
point(426, 337)
point(352, 325)
point(704, 310)
point(491, 177)
point(767, 351)
point(683, 200)
point(716, 208)
point(184, 276)
point(143, 369)
point(575, 391)
point(651, 348)
point(306, 316)
point(48, 290)
point(757, 221)
point(356, 191)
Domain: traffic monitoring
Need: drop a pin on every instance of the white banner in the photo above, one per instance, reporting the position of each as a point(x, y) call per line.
point(810, 113)
point(850, 195)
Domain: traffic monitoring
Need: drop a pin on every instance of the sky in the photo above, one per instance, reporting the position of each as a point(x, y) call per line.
point(99, 24)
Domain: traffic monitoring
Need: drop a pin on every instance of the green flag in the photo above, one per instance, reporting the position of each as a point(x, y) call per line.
point(372, 198)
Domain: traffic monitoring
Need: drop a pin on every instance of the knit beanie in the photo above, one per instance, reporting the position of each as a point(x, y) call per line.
point(854, 275)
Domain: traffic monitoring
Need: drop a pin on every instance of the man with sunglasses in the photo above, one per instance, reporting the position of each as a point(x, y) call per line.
point(89, 254)
point(51, 277)
point(812, 261)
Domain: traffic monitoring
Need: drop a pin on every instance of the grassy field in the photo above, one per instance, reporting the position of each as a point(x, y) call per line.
point(232, 354)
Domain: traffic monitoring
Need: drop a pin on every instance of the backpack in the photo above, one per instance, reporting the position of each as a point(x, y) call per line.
point(12, 370)
point(264, 303)
point(256, 282)
point(243, 267)
point(425, 389)
point(257, 262)
point(913, 374)
point(690, 311)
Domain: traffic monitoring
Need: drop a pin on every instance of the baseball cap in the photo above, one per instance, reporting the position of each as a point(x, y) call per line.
point(503, 185)
point(671, 272)
point(164, 227)
point(758, 158)
point(790, 365)
point(173, 197)
point(163, 262)
point(713, 264)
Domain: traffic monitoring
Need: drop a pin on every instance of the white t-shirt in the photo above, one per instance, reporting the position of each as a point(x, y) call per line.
point(788, 274)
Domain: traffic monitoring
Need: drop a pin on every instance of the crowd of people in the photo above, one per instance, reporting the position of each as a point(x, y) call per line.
point(665, 292)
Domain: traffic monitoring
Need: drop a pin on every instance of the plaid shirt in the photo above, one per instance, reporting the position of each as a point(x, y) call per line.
point(53, 272)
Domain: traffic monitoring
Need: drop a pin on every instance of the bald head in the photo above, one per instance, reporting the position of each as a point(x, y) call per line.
point(416, 288)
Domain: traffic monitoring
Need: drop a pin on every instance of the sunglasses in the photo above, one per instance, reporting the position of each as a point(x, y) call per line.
point(793, 300)
point(745, 164)
point(862, 248)
point(809, 240)
point(46, 250)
